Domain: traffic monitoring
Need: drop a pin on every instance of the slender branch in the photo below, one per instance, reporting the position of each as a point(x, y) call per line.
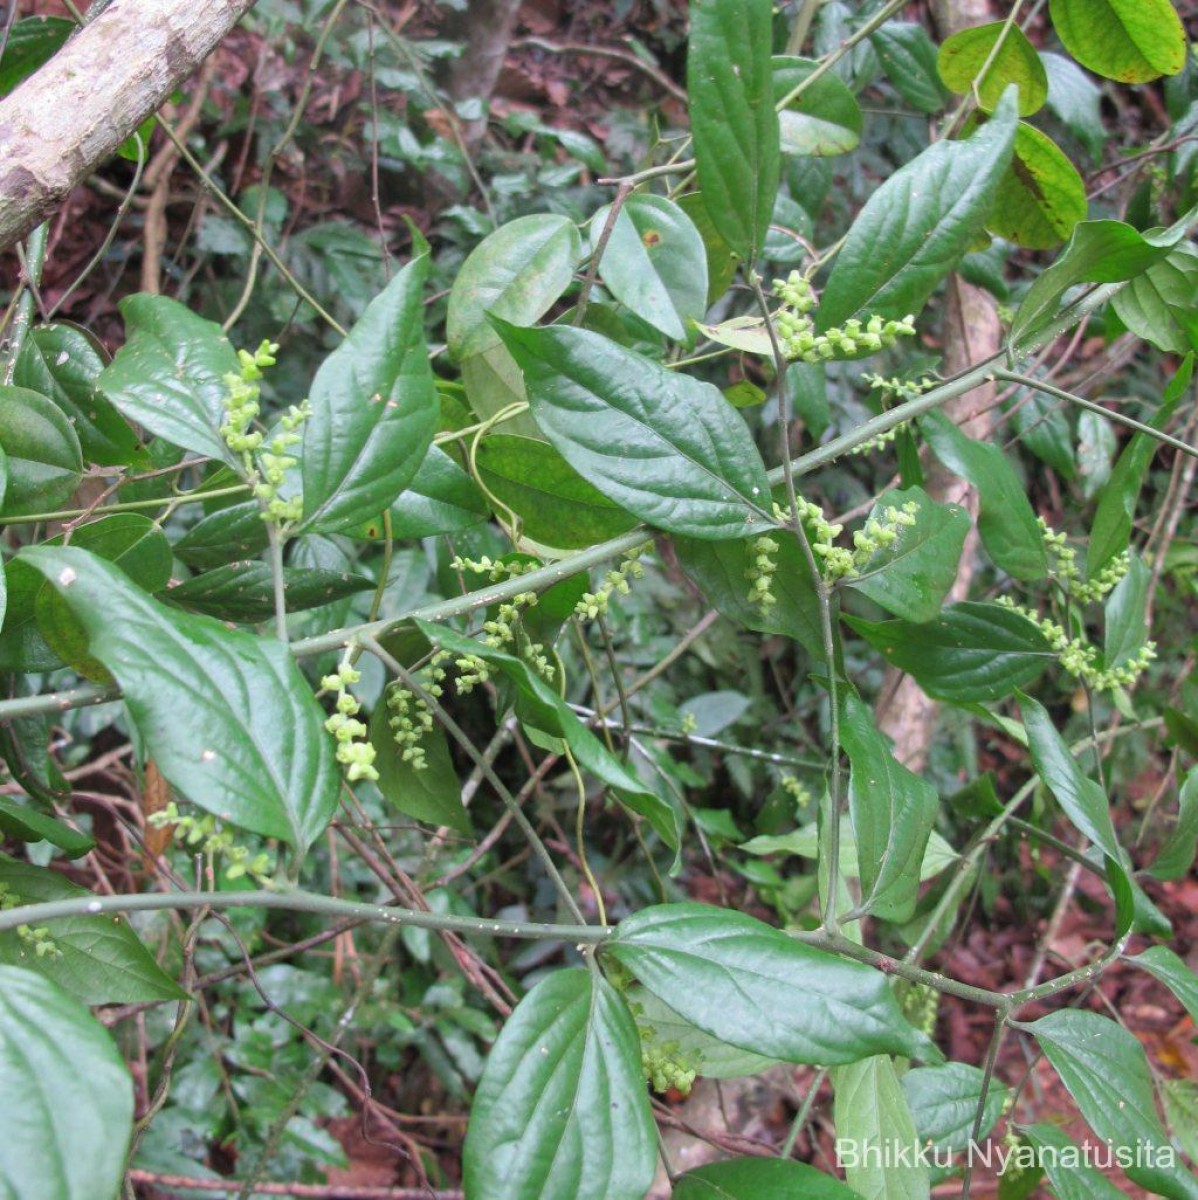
point(31, 276)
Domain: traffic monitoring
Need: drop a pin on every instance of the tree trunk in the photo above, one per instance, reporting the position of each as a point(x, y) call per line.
point(487, 32)
point(70, 116)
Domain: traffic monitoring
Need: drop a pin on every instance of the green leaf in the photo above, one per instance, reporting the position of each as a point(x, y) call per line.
point(1081, 799)
point(1180, 1098)
point(736, 979)
point(908, 57)
point(825, 120)
point(44, 464)
point(1125, 630)
point(25, 823)
point(169, 376)
point(556, 506)
point(1006, 522)
point(1044, 429)
point(1106, 1072)
point(971, 652)
point(1072, 1178)
point(374, 410)
point(1041, 198)
point(1098, 252)
point(227, 535)
point(911, 577)
point(1159, 304)
point(64, 363)
point(67, 1102)
point(722, 260)
point(757, 1178)
point(965, 55)
point(516, 273)
point(1131, 41)
point(546, 710)
point(432, 794)
point(226, 716)
point(442, 498)
point(918, 225)
point(561, 1108)
point(892, 810)
point(100, 960)
point(654, 263)
point(1171, 970)
point(729, 80)
point(244, 591)
point(872, 1119)
point(719, 570)
point(944, 1102)
point(1176, 855)
point(1116, 511)
point(716, 1059)
point(659, 443)
point(1076, 100)
point(30, 44)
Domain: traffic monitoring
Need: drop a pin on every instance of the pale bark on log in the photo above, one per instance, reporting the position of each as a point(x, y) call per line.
point(69, 117)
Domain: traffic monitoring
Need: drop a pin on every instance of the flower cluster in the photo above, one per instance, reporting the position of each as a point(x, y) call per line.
point(356, 755)
point(794, 788)
point(853, 339)
point(38, 940)
point(409, 717)
point(892, 389)
point(593, 604)
point(264, 468)
point(760, 573)
point(502, 630)
point(877, 534)
point(205, 835)
point(1066, 571)
point(665, 1064)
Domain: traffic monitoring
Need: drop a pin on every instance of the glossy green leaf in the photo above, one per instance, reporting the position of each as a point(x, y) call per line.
point(944, 1102)
point(918, 225)
point(374, 410)
point(1131, 41)
point(825, 120)
point(664, 446)
point(226, 716)
point(892, 811)
point(722, 260)
point(1106, 1071)
point(30, 44)
point(169, 376)
point(22, 646)
point(908, 56)
point(1114, 517)
point(1159, 305)
point(442, 498)
point(44, 463)
point(1180, 1099)
point(516, 273)
point(244, 591)
point(432, 794)
point(493, 383)
point(1006, 522)
point(971, 652)
point(561, 1109)
point(1081, 799)
point(872, 1117)
point(1041, 198)
point(1125, 630)
point(227, 535)
point(911, 577)
point(64, 363)
point(729, 81)
point(100, 960)
point(1098, 252)
point(27, 824)
point(1176, 854)
point(1163, 964)
point(654, 263)
point(737, 978)
point(1076, 100)
point(541, 704)
point(1071, 1176)
point(719, 570)
point(1003, 52)
point(556, 506)
point(757, 1178)
point(715, 1059)
point(66, 1098)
